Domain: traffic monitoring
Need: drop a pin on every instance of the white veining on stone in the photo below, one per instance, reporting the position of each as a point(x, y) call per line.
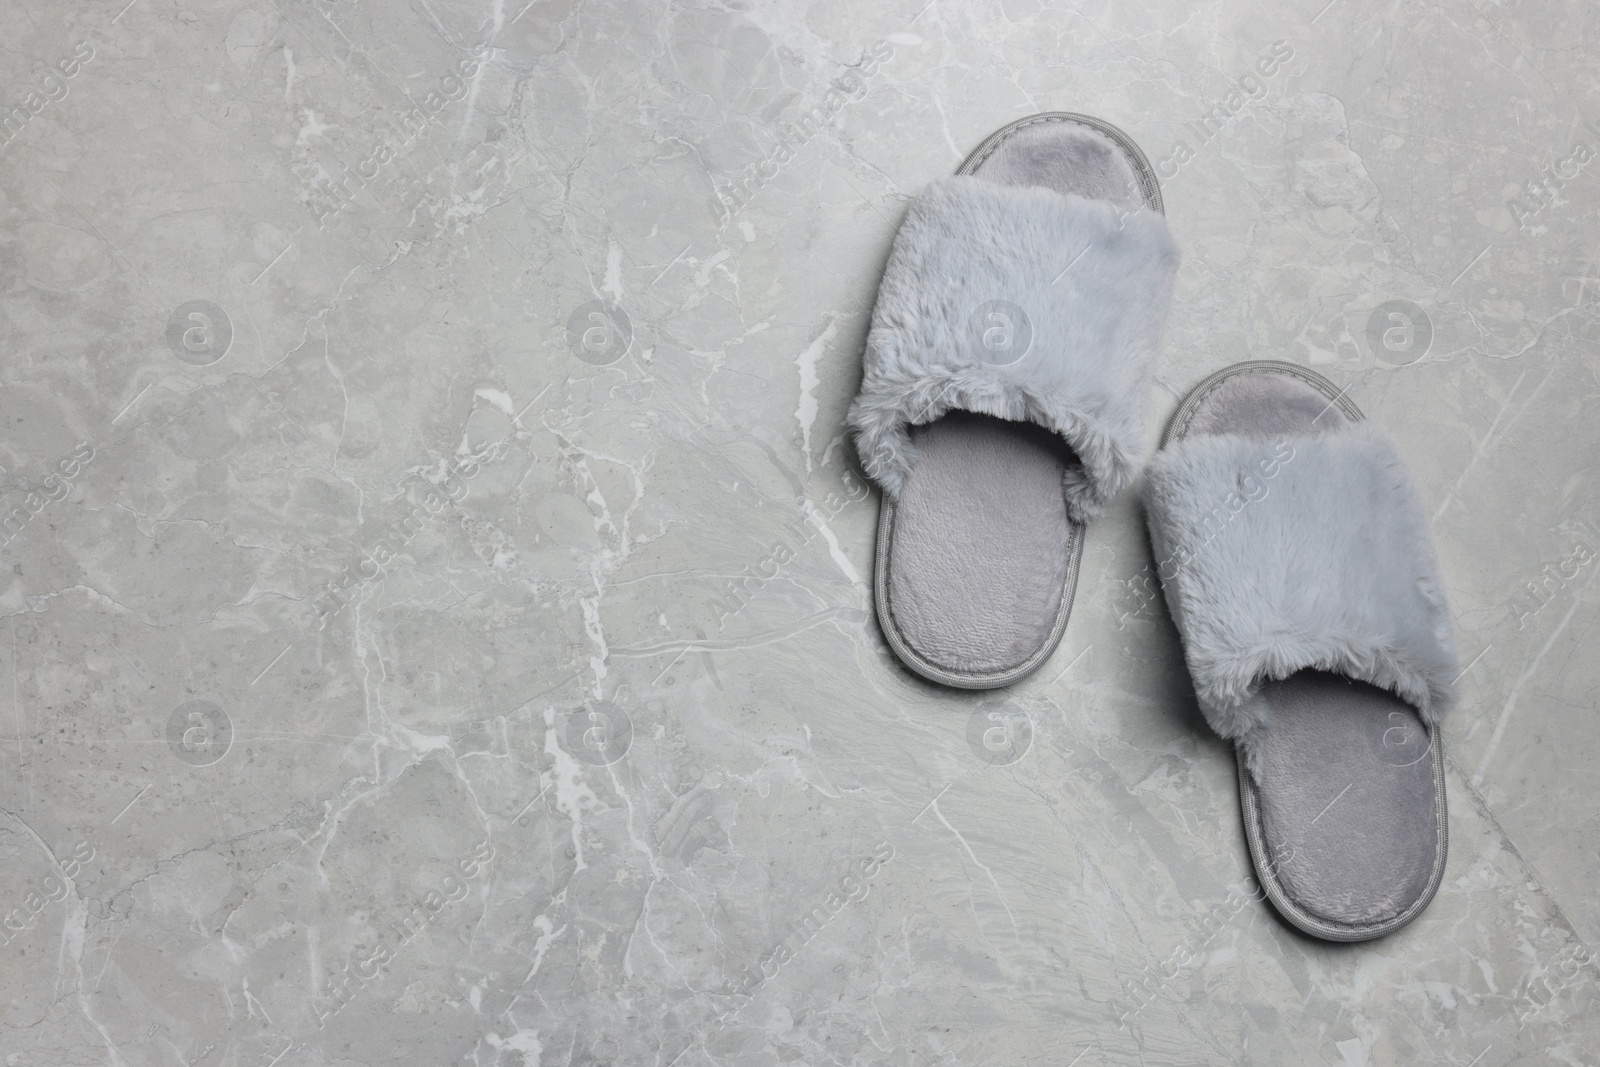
point(434, 608)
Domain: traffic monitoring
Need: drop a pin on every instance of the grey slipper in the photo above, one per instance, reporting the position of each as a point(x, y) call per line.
point(1002, 405)
point(1296, 561)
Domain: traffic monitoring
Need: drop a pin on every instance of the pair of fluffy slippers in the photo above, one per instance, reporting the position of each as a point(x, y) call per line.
point(1002, 409)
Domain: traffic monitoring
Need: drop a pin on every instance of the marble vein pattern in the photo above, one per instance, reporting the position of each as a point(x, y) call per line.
point(435, 610)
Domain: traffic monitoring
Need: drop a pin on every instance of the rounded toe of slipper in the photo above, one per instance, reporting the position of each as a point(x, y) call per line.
point(1350, 821)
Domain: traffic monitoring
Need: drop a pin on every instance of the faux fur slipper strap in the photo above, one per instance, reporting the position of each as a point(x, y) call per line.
point(1022, 303)
point(1300, 552)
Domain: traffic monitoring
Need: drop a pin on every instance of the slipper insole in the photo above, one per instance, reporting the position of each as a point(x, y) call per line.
point(981, 542)
point(1346, 797)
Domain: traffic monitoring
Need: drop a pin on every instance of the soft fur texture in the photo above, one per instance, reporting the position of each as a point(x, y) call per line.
point(1096, 327)
point(1326, 564)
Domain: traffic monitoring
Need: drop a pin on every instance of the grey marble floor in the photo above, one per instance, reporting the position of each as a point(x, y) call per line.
point(433, 611)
